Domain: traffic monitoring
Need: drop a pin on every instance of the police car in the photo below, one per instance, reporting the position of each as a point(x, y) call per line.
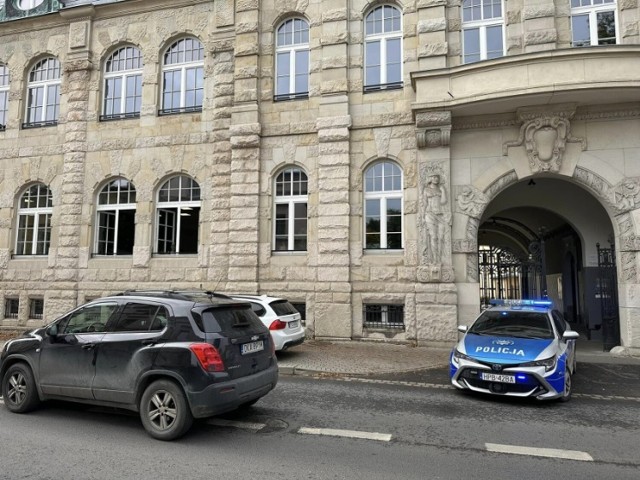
point(520, 348)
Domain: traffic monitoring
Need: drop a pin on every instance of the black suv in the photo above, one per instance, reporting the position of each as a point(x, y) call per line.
point(172, 356)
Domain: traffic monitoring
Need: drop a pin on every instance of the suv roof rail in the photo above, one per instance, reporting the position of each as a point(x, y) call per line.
point(177, 294)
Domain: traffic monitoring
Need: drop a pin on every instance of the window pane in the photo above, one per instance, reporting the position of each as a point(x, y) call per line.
point(394, 61)
point(372, 70)
point(580, 30)
point(283, 80)
point(606, 28)
point(494, 42)
point(302, 71)
point(471, 45)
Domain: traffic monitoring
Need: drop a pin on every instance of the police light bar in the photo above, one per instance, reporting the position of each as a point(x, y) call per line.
point(520, 303)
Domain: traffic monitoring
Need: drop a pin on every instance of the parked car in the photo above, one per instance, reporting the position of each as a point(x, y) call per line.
point(280, 317)
point(172, 356)
point(520, 348)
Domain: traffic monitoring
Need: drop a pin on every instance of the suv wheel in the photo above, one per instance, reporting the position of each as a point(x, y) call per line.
point(164, 411)
point(19, 389)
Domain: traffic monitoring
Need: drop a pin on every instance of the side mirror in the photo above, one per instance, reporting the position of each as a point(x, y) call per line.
point(463, 328)
point(52, 331)
point(570, 335)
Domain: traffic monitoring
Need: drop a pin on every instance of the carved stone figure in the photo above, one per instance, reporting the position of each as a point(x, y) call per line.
point(436, 218)
point(627, 194)
point(471, 202)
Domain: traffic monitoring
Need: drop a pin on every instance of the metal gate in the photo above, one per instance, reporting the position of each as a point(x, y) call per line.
point(505, 275)
point(607, 292)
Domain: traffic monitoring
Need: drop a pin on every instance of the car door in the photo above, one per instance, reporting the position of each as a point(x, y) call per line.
point(566, 346)
point(126, 351)
point(68, 352)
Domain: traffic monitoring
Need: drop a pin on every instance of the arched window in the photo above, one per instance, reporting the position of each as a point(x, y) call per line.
point(43, 94)
point(292, 59)
point(383, 48)
point(482, 30)
point(122, 84)
point(183, 77)
point(383, 205)
point(290, 211)
point(178, 216)
point(4, 95)
point(28, 4)
point(34, 221)
point(115, 226)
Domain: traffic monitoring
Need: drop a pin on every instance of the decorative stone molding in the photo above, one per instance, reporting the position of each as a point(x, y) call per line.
point(433, 129)
point(625, 224)
point(627, 194)
point(464, 245)
point(622, 197)
point(470, 201)
point(544, 134)
point(224, 13)
point(629, 263)
point(435, 274)
point(630, 243)
point(500, 184)
point(382, 137)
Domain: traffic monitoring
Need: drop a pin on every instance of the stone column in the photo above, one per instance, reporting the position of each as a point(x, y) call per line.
point(333, 290)
point(436, 293)
point(244, 134)
point(70, 254)
point(539, 25)
point(432, 34)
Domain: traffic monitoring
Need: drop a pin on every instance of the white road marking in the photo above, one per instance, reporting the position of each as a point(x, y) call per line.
point(1, 401)
point(539, 452)
point(221, 422)
point(381, 437)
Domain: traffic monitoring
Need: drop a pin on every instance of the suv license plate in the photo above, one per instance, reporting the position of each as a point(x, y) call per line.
point(251, 347)
point(293, 324)
point(494, 377)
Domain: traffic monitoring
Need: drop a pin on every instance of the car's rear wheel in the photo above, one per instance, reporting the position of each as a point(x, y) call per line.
point(164, 411)
point(19, 389)
point(566, 393)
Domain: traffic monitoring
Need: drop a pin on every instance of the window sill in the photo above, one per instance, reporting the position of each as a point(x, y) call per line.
point(288, 252)
point(29, 257)
point(119, 116)
point(49, 123)
point(383, 87)
point(383, 251)
point(291, 96)
point(383, 329)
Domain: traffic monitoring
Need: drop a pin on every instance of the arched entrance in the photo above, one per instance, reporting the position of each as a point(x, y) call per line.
point(547, 237)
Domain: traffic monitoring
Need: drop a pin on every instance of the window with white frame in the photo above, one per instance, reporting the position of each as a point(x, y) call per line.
point(482, 30)
point(11, 307)
point(183, 77)
point(36, 308)
point(383, 316)
point(4, 95)
point(34, 221)
point(43, 94)
point(292, 59)
point(122, 84)
point(383, 206)
point(178, 216)
point(28, 4)
point(290, 216)
point(115, 225)
point(383, 48)
point(593, 22)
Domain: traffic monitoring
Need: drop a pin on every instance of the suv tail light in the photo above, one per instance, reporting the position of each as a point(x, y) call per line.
point(277, 324)
point(208, 356)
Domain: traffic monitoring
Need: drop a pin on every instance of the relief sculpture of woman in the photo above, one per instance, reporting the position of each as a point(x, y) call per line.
point(436, 219)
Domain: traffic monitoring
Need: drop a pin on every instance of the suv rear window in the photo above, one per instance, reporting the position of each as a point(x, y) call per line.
point(222, 319)
point(283, 307)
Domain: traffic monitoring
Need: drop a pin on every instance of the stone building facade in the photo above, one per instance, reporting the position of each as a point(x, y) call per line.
point(214, 128)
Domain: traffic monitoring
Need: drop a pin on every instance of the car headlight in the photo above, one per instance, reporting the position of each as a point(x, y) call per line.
point(548, 363)
point(458, 355)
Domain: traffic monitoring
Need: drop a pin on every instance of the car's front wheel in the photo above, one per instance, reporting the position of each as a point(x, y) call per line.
point(566, 393)
point(19, 389)
point(164, 411)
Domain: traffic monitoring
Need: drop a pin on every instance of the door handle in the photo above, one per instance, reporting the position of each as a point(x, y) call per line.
point(88, 346)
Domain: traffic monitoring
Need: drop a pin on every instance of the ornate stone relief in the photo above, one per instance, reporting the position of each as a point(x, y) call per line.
point(470, 201)
point(433, 129)
point(627, 194)
point(544, 135)
point(629, 266)
point(434, 225)
point(622, 197)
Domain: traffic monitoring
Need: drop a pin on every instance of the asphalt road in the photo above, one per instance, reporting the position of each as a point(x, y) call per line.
point(415, 427)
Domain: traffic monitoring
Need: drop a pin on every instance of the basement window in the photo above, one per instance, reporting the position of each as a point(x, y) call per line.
point(388, 317)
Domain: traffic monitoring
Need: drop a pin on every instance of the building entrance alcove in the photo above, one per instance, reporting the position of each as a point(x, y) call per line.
point(549, 238)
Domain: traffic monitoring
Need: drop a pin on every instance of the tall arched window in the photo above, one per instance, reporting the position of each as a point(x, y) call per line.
point(4, 95)
point(34, 221)
point(183, 77)
point(290, 211)
point(178, 216)
point(122, 84)
point(383, 206)
point(383, 48)
point(292, 59)
point(43, 94)
point(115, 226)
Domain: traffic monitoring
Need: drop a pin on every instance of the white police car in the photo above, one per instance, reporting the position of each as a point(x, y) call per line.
point(519, 348)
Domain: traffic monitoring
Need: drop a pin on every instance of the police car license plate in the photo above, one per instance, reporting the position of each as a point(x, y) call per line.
point(251, 347)
point(495, 377)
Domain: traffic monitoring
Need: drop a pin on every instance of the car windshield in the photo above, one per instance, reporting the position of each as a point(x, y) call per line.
point(513, 323)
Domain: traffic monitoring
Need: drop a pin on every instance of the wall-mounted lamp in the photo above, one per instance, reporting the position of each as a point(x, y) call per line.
point(532, 183)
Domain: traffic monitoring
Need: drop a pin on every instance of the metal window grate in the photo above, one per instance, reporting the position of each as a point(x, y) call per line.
point(36, 308)
point(384, 316)
point(11, 308)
